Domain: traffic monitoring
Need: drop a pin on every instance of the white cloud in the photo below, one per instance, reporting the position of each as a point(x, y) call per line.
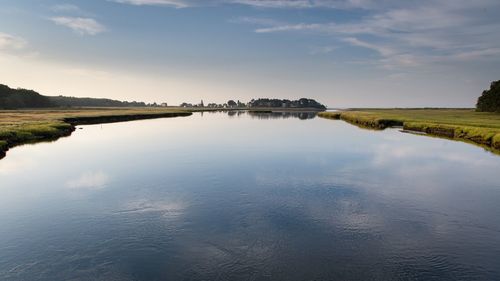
point(318, 50)
point(294, 27)
point(80, 25)
point(301, 4)
point(10, 42)
point(309, 4)
point(417, 34)
point(384, 51)
point(277, 4)
point(65, 8)
point(172, 3)
point(477, 54)
point(12, 46)
point(256, 21)
point(89, 180)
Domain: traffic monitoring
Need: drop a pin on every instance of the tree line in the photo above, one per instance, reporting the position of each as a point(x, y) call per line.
point(285, 103)
point(22, 98)
point(262, 102)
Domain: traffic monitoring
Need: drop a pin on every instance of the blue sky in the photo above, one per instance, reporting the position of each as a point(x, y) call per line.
point(345, 53)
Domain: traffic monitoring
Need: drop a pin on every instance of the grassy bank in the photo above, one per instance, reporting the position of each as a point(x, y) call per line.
point(461, 124)
point(27, 126)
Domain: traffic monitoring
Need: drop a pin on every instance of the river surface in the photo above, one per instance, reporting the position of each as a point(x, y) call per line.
point(248, 197)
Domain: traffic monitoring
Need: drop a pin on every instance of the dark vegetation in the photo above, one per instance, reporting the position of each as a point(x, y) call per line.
point(489, 101)
point(22, 98)
point(277, 103)
point(263, 103)
point(62, 101)
point(261, 114)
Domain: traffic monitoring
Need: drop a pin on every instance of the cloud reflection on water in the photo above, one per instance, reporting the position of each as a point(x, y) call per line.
point(89, 180)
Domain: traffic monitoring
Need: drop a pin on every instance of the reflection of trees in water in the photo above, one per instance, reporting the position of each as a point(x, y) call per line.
point(232, 113)
point(265, 114)
point(282, 115)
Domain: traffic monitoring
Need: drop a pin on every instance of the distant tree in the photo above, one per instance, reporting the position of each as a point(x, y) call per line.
point(301, 103)
point(241, 104)
point(489, 101)
point(231, 103)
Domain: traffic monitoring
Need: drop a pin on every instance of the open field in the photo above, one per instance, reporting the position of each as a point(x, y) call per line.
point(26, 126)
point(461, 124)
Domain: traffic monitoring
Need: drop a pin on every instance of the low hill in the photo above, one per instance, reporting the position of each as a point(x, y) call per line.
point(92, 102)
point(22, 98)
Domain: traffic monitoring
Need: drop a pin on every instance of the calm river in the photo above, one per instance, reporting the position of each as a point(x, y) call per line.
point(242, 197)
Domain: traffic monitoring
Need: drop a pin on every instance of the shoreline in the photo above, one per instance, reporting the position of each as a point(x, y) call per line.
point(35, 131)
point(28, 126)
point(483, 136)
point(19, 127)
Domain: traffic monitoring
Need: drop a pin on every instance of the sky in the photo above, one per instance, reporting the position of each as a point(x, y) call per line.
point(343, 53)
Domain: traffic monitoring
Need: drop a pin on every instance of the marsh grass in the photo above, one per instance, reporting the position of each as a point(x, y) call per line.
point(27, 126)
point(460, 124)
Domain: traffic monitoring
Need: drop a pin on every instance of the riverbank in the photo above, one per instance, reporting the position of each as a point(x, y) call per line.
point(19, 127)
point(480, 128)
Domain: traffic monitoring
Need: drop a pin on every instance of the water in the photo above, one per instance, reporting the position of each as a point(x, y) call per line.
point(248, 197)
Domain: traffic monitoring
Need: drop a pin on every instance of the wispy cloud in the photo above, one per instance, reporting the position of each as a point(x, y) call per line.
point(80, 25)
point(256, 21)
point(171, 3)
point(296, 4)
point(401, 33)
point(65, 8)
point(433, 31)
point(382, 50)
point(318, 50)
point(275, 4)
point(10, 42)
point(15, 46)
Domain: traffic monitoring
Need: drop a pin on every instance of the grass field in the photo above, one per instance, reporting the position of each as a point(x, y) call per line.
point(461, 124)
point(26, 126)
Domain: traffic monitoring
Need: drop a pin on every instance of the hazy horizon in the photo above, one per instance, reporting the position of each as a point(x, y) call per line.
point(343, 53)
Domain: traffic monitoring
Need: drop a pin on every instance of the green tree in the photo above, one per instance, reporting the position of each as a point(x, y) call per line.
point(489, 101)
